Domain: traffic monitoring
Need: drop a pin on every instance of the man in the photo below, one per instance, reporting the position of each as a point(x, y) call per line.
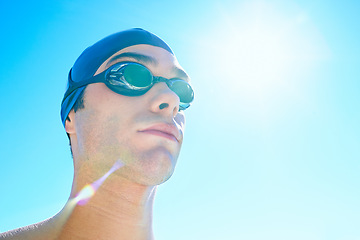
point(124, 105)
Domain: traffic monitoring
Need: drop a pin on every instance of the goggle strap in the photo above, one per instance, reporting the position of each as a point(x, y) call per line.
point(95, 79)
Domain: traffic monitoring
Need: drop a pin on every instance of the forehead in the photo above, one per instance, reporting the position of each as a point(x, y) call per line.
point(158, 60)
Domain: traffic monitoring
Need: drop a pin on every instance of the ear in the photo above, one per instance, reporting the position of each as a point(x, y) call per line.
point(70, 122)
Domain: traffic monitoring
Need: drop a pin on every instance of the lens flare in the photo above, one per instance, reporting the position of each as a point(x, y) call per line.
point(85, 194)
point(88, 191)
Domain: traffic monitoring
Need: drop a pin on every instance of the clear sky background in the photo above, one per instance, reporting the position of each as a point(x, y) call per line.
point(272, 145)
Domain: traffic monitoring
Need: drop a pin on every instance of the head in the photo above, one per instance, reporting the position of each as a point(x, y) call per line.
point(144, 129)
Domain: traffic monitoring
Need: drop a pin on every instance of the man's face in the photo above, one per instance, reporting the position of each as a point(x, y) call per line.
point(144, 132)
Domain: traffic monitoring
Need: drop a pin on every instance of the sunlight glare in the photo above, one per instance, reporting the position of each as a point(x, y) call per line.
point(263, 54)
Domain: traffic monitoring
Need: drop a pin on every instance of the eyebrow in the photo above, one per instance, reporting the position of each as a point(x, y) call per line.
point(141, 58)
point(181, 73)
point(136, 56)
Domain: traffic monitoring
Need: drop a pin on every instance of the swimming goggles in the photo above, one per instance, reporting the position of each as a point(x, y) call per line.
point(134, 79)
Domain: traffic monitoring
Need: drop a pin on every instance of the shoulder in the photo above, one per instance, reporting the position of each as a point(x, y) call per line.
point(37, 231)
point(19, 233)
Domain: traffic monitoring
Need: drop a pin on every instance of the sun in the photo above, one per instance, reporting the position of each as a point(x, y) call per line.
point(260, 56)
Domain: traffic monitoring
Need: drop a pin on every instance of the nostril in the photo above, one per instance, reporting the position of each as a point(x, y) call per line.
point(163, 105)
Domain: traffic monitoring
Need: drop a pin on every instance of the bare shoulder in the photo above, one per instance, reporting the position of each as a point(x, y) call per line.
point(19, 233)
point(37, 231)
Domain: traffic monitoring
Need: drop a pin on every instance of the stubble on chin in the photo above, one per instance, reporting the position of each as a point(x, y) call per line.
point(151, 167)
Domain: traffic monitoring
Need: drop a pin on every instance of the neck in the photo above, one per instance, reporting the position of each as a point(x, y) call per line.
point(120, 209)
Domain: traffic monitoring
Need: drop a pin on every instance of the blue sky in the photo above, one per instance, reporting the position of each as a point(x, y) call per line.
point(272, 144)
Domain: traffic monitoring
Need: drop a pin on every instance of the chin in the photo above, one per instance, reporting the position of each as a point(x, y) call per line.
point(156, 168)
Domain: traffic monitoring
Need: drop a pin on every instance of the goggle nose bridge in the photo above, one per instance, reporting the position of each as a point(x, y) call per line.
point(168, 82)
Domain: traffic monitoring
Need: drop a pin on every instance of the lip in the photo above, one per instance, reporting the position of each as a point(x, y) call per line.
point(165, 130)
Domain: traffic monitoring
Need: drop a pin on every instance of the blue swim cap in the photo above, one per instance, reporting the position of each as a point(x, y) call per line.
point(92, 58)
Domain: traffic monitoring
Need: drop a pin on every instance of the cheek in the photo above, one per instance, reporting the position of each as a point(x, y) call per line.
point(180, 120)
point(96, 131)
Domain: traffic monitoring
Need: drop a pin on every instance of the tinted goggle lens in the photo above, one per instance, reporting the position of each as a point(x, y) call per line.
point(133, 79)
point(183, 90)
point(136, 75)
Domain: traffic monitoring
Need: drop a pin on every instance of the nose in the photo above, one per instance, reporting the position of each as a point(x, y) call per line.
point(164, 100)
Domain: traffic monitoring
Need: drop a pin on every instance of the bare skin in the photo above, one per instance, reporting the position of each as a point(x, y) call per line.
point(113, 127)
